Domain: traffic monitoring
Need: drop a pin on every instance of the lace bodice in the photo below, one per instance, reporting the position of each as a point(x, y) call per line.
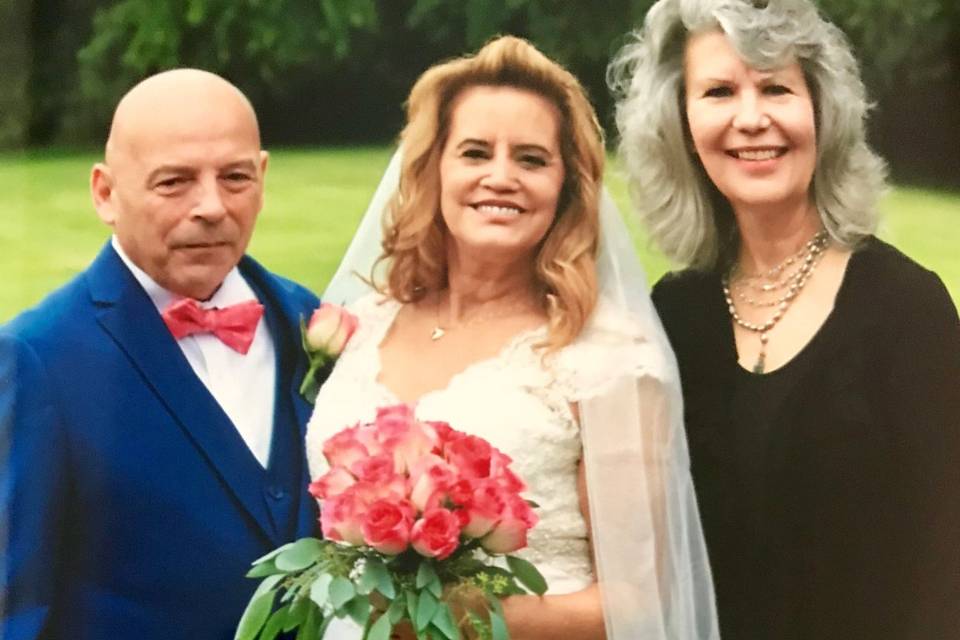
point(517, 400)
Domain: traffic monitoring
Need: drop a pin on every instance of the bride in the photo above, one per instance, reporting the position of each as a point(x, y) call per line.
point(509, 305)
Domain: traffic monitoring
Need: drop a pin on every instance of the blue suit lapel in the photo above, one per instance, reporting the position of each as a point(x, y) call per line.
point(283, 319)
point(126, 313)
point(284, 307)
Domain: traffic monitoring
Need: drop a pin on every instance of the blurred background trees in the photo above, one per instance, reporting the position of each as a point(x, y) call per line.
point(337, 71)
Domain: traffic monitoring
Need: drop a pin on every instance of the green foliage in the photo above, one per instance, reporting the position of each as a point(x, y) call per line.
point(317, 580)
point(897, 42)
point(252, 42)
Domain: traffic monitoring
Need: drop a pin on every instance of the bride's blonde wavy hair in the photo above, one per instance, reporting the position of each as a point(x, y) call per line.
point(414, 238)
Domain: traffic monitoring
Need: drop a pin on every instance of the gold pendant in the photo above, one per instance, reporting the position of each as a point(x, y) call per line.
point(437, 333)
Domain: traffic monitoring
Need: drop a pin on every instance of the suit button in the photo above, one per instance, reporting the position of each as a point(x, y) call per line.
point(277, 493)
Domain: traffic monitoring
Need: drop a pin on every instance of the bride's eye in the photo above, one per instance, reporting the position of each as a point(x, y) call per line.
point(474, 153)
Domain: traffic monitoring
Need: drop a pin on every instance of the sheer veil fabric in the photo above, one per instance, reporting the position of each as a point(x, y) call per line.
point(651, 560)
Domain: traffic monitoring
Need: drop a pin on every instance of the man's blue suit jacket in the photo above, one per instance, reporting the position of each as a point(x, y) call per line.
point(131, 506)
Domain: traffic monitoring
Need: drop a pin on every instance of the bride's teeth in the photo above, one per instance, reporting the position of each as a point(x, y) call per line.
point(765, 154)
point(495, 210)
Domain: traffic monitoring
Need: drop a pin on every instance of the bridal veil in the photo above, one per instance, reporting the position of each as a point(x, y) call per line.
point(650, 555)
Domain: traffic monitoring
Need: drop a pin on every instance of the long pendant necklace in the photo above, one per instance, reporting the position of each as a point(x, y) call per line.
point(770, 281)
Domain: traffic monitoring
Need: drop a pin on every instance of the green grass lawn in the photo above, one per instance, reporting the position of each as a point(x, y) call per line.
point(49, 231)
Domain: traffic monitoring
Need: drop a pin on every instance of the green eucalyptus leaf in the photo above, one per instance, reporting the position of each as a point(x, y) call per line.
point(498, 627)
point(254, 616)
point(275, 623)
point(273, 554)
point(411, 605)
point(527, 574)
point(377, 573)
point(341, 592)
point(426, 575)
point(381, 629)
point(265, 568)
point(297, 613)
point(370, 577)
point(436, 588)
point(310, 628)
point(303, 553)
point(267, 585)
point(359, 609)
point(396, 610)
point(443, 621)
point(426, 607)
point(320, 589)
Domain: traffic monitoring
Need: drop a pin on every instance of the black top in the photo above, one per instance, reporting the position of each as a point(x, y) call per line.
point(829, 488)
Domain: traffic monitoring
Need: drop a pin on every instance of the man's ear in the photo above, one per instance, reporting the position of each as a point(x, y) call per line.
point(102, 192)
point(264, 158)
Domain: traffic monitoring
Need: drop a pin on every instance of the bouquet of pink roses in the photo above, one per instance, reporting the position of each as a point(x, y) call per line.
point(411, 513)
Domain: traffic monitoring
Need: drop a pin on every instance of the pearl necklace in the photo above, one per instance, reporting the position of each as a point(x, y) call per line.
point(807, 259)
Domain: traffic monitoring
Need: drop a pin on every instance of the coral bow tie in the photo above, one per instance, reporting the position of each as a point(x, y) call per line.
point(233, 325)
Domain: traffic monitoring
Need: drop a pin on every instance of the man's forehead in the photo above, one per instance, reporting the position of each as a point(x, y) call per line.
point(184, 107)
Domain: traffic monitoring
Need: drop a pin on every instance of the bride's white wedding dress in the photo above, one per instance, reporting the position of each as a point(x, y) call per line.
point(517, 400)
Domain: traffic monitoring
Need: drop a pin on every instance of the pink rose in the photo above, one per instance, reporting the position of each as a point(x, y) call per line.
point(329, 329)
point(333, 482)
point(343, 449)
point(484, 508)
point(387, 525)
point(436, 534)
point(430, 479)
point(378, 479)
point(374, 469)
point(392, 422)
point(342, 516)
point(470, 454)
point(510, 533)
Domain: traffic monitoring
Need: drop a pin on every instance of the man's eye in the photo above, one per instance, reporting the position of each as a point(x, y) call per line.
point(718, 92)
point(171, 183)
point(237, 176)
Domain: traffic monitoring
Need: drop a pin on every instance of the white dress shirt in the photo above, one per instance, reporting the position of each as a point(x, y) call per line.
point(243, 385)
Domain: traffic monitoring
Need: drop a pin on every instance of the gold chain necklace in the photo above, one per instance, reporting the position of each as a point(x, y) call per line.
point(502, 311)
point(808, 259)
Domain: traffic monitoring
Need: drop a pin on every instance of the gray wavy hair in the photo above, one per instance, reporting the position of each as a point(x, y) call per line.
point(683, 211)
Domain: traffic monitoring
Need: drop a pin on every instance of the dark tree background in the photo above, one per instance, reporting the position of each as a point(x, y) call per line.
point(337, 71)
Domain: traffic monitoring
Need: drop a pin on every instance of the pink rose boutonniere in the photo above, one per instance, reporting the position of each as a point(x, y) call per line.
point(413, 514)
point(324, 338)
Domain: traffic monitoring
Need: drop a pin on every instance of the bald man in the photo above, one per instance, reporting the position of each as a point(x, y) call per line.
point(150, 426)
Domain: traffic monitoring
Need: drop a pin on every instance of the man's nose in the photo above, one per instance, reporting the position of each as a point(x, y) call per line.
point(209, 204)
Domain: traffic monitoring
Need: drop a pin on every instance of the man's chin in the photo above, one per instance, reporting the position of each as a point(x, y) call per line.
point(199, 282)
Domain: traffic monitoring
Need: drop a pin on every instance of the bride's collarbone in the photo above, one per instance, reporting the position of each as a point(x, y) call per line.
point(414, 361)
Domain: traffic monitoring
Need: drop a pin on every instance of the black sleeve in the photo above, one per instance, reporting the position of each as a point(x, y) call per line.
point(923, 401)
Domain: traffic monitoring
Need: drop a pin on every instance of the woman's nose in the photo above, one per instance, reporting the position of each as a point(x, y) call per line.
point(501, 174)
point(750, 115)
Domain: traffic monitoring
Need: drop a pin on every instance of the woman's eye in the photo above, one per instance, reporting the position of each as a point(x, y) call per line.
point(718, 92)
point(533, 161)
point(474, 154)
point(776, 90)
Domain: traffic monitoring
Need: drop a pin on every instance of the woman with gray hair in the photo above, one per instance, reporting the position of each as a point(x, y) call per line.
point(819, 364)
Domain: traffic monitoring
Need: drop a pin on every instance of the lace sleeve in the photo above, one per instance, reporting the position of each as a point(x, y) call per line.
point(611, 346)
